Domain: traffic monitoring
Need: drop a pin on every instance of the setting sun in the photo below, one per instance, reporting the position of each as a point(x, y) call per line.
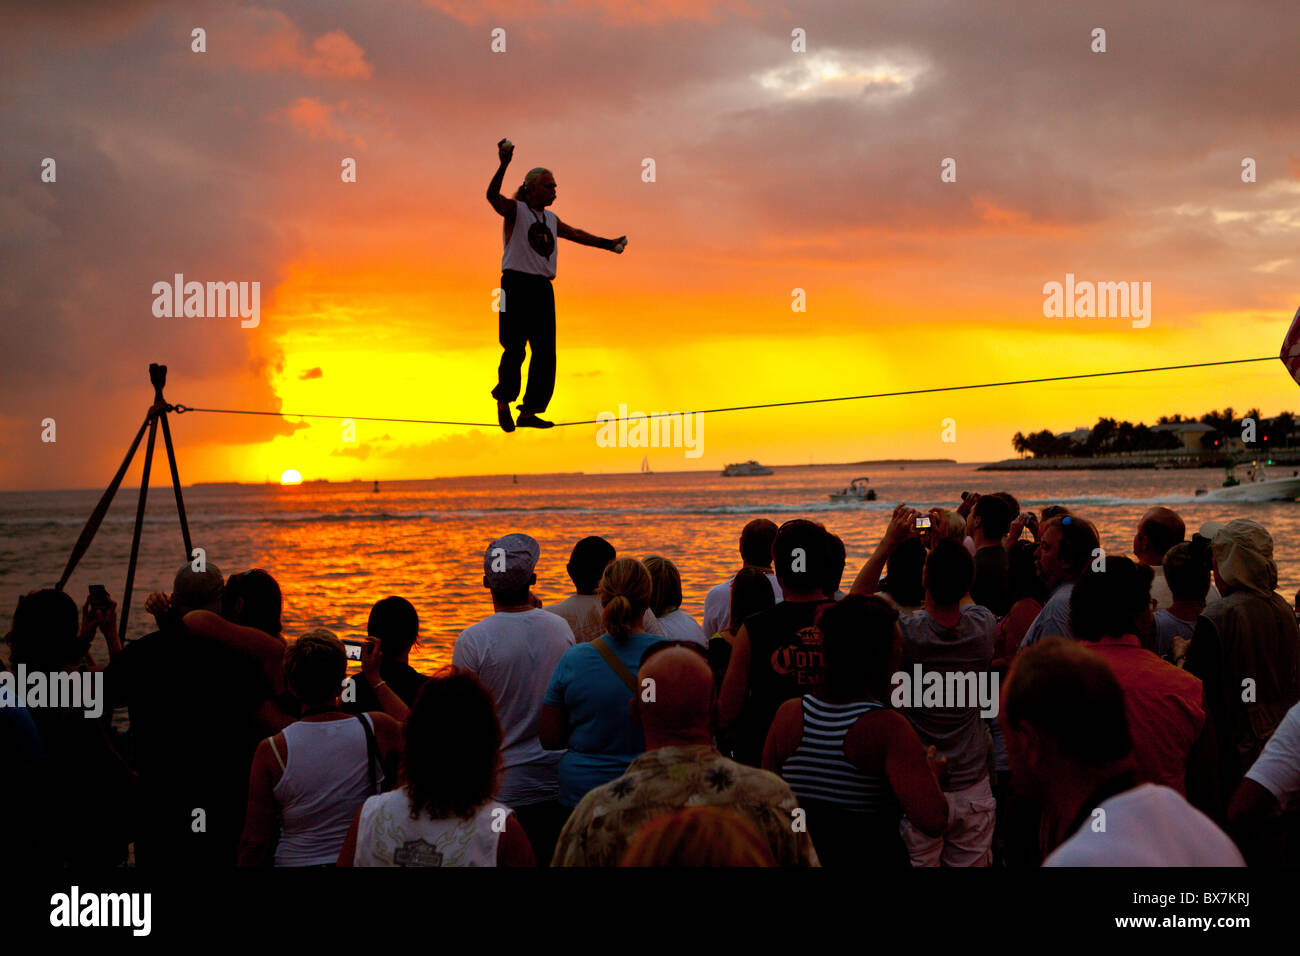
point(291, 477)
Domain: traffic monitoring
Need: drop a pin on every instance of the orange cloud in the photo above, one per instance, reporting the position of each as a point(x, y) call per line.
point(273, 43)
point(609, 11)
point(316, 119)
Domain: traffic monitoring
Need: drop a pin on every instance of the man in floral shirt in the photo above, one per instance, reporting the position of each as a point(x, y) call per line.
point(680, 768)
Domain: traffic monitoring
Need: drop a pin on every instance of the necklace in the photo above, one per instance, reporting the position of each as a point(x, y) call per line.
point(540, 236)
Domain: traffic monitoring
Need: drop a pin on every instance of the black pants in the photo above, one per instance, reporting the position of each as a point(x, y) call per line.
point(542, 822)
point(527, 319)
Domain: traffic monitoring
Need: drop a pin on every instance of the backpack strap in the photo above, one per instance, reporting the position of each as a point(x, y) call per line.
point(617, 666)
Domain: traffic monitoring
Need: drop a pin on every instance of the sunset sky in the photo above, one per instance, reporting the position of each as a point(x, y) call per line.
point(775, 170)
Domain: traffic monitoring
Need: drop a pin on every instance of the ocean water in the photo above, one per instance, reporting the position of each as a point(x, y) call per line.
point(337, 548)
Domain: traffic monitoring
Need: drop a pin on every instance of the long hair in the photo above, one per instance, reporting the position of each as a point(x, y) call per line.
point(625, 595)
point(751, 592)
point(530, 180)
point(665, 584)
point(453, 740)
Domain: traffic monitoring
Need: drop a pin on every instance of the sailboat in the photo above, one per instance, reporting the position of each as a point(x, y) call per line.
point(645, 466)
point(376, 488)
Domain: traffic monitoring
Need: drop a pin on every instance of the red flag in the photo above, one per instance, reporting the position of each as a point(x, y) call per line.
point(1291, 348)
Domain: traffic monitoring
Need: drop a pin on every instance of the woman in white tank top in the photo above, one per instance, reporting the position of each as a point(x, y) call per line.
point(444, 814)
point(309, 779)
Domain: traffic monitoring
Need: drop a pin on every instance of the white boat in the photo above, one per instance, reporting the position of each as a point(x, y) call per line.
point(1255, 485)
point(645, 466)
point(857, 490)
point(745, 470)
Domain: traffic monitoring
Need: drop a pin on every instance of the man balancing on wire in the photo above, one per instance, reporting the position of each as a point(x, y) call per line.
point(527, 314)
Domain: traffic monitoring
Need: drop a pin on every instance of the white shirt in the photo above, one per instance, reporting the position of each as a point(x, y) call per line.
point(387, 836)
point(513, 653)
point(1277, 769)
point(1149, 825)
point(325, 777)
point(584, 614)
point(518, 253)
point(680, 626)
point(717, 605)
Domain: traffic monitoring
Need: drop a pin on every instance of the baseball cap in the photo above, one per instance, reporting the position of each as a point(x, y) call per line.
point(198, 590)
point(509, 561)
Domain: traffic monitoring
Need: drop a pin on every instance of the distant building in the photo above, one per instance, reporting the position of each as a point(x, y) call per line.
point(1079, 436)
point(1189, 433)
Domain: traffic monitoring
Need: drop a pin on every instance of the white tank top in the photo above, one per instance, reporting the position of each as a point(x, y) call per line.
point(325, 780)
point(387, 836)
point(519, 253)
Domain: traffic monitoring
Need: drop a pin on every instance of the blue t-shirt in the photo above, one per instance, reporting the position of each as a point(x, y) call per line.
point(603, 738)
point(1167, 628)
point(1054, 619)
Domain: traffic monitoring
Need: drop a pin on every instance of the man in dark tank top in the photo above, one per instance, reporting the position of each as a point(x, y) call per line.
point(777, 653)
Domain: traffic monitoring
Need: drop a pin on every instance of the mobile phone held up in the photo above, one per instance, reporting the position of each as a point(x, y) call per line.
point(922, 522)
point(353, 649)
point(98, 596)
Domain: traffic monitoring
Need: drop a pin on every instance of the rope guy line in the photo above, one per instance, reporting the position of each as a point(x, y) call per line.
point(760, 405)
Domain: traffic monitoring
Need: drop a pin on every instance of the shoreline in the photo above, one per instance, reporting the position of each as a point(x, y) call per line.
point(1149, 462)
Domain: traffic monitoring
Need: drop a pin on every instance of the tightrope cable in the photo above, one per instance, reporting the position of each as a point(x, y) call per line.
point(744, 408)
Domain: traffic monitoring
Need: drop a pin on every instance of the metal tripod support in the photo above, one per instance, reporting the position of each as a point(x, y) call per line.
point(156, 415)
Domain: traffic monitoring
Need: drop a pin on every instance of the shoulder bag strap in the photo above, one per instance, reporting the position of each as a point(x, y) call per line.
point(372, 753)
point(617, 666)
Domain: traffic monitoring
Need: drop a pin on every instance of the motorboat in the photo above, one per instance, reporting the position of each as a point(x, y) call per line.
point(1255, 485)
point(856, 490)
point(745, 470)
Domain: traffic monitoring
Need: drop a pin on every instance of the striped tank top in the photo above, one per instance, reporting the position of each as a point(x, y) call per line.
point(818, 770)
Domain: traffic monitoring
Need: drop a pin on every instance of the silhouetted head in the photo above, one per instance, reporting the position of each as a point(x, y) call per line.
point(1065, 548)
point(1012, 503)
point(44, 632)
point(396, 624)
point(1112, 601)
point(665, 584)
point(801, 556)
point(756, 540)
point(681, 707)
point(861, 644)
point(1022, 573)
point(588, 561)
point(624, 593)
point(989, 520)
point(452, 746)
point(252, 598)
point(1187, 572)
point(904, 573)
point(949, 571)
point(197, 590)
point(1158, 531)
point(314, 667)
point(508, 568)
point(538, 187)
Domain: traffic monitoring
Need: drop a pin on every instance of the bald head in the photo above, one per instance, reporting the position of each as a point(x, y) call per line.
point(1158, 531)
point(681, 706)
